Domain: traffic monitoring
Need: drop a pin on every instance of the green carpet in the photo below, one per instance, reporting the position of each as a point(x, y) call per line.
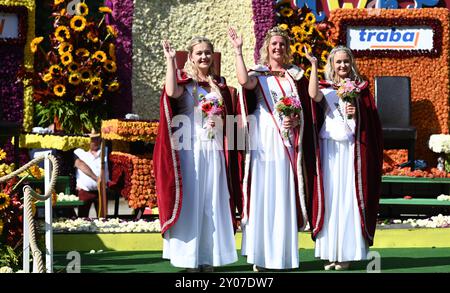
point(393, 260)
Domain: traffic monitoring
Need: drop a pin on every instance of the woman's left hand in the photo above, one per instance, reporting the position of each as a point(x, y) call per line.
point(290, 122)
point(350, 109)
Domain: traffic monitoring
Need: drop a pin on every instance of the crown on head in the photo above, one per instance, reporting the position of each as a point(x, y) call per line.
point(277, 31)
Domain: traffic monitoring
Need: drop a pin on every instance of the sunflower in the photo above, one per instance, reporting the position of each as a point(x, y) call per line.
point(78, 98)
point(324, 55)
point(286, 12)
point(59, 90)
point(82, 9)
point(283, 27)
point(92, 37)
point(47, 77)
point(35, 171)
point(65, 47)
point(112, 51)
point(308, 28)
point(100, 56)
point(62, 33)
point(82, 52)
point(308, 72)
point(111, 30)
point(54, 69)
point(96, 92)
point(57, 2)
point(310, 18)
point(110, 66)
point(66, 58)
point(4, 201)
point(75, 78)
point(73, 67)
point(86, 75)
point(308, 47)
point(104, 9)
point(114, 86)
point(78, 23)
point(96, 82)
point(296, 47)
point(2, 154)
point(34, 43)
point(62, 12)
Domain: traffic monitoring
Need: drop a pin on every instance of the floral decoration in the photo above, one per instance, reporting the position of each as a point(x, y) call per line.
point(300, 24)
point(79, 68)
point(113, 225)
point(429, 74)
point(130, 130)
point(57, 142)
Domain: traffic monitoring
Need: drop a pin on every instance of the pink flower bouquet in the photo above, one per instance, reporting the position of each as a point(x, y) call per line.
point(348, 91)
point(288, 106)
point(211, 105)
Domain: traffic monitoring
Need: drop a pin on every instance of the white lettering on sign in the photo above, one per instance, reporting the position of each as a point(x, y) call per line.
point(9, 26)
point(390, 38)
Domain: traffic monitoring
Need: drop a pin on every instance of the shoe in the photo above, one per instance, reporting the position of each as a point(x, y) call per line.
point(206, 268)
point(193, 270)
point(258, 269)
point(329, 266)
point(341, 266)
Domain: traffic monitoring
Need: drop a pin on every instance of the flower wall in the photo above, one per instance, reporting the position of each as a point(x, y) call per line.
point(429, 75)
point(179, 21)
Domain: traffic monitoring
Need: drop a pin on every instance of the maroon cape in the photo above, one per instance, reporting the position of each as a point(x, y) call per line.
point(368, 160)
point(166, 160)
point(312, 179)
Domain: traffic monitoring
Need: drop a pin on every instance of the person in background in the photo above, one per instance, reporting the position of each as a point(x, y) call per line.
point(352, 156)
point(88, 169)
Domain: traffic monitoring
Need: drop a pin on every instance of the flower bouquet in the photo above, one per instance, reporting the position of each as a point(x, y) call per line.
point(288, 106)
point(211, 105)
point(348, 91)
point(440, 143)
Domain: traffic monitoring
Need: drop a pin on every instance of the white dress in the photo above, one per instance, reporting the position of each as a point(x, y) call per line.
point(203, 234)
point(270, 234)
point(341, 238)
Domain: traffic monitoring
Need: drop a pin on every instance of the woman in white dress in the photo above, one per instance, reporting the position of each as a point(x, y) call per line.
point(276, 164)
point(191, 168)
point(351, 163)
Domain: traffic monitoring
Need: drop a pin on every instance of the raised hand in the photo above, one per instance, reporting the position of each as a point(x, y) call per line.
point(235, 40)
point(169, 52)
point(309, 56)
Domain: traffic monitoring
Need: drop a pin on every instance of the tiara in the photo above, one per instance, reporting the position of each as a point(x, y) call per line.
point(277, 31)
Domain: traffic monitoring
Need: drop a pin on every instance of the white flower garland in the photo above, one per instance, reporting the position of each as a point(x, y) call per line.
point(106, 226)
point(439, 143)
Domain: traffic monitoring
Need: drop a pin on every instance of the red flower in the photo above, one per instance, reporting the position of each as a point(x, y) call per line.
point(206, 107)
point(287, 102)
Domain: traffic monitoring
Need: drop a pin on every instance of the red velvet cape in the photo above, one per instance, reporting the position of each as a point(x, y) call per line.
point(368, 160)
point(166, 160)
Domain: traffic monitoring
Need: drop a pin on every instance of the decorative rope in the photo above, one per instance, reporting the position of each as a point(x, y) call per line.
point(29, 194)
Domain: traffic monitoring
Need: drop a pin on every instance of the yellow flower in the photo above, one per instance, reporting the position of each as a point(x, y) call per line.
point(112, 51)
point(96, 92)
point(57, 2)
point(308, 72)
point(65, 47)
point(308, 28)
point(92, 37)
point(62, 12)
point(105, 9)
point(2, 154)
point(75, 78)
point(78, 23)
point(324, 55)
point(96, 81)
point(54, 69)
point(86, 75)
point(286, 12)
point(4, 201)
point(47, 77)
point(100, 56)
point(59, 90)
point(66, 59)
point(1, 226)
point(283, 26)
point(35, 171)
point(110, 66)
point(34, 43)
point(73, 67)
point(82, 52)
point(114, 86)
point(82, 9)
point(78, 98)
point(302, 52)
point(62, 33)
point(111, 30)
point(296, 47)
point(310, 18)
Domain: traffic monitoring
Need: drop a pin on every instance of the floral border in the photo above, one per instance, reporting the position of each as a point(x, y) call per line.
point(264, 19)
point(22, 13)
point(435, 24)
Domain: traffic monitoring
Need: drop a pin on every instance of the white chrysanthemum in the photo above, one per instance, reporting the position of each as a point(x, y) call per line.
point(439, 143)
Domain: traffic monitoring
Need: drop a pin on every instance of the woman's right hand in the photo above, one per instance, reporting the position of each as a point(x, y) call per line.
point(310, 57)
point(236, 40)
point(169, 52)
